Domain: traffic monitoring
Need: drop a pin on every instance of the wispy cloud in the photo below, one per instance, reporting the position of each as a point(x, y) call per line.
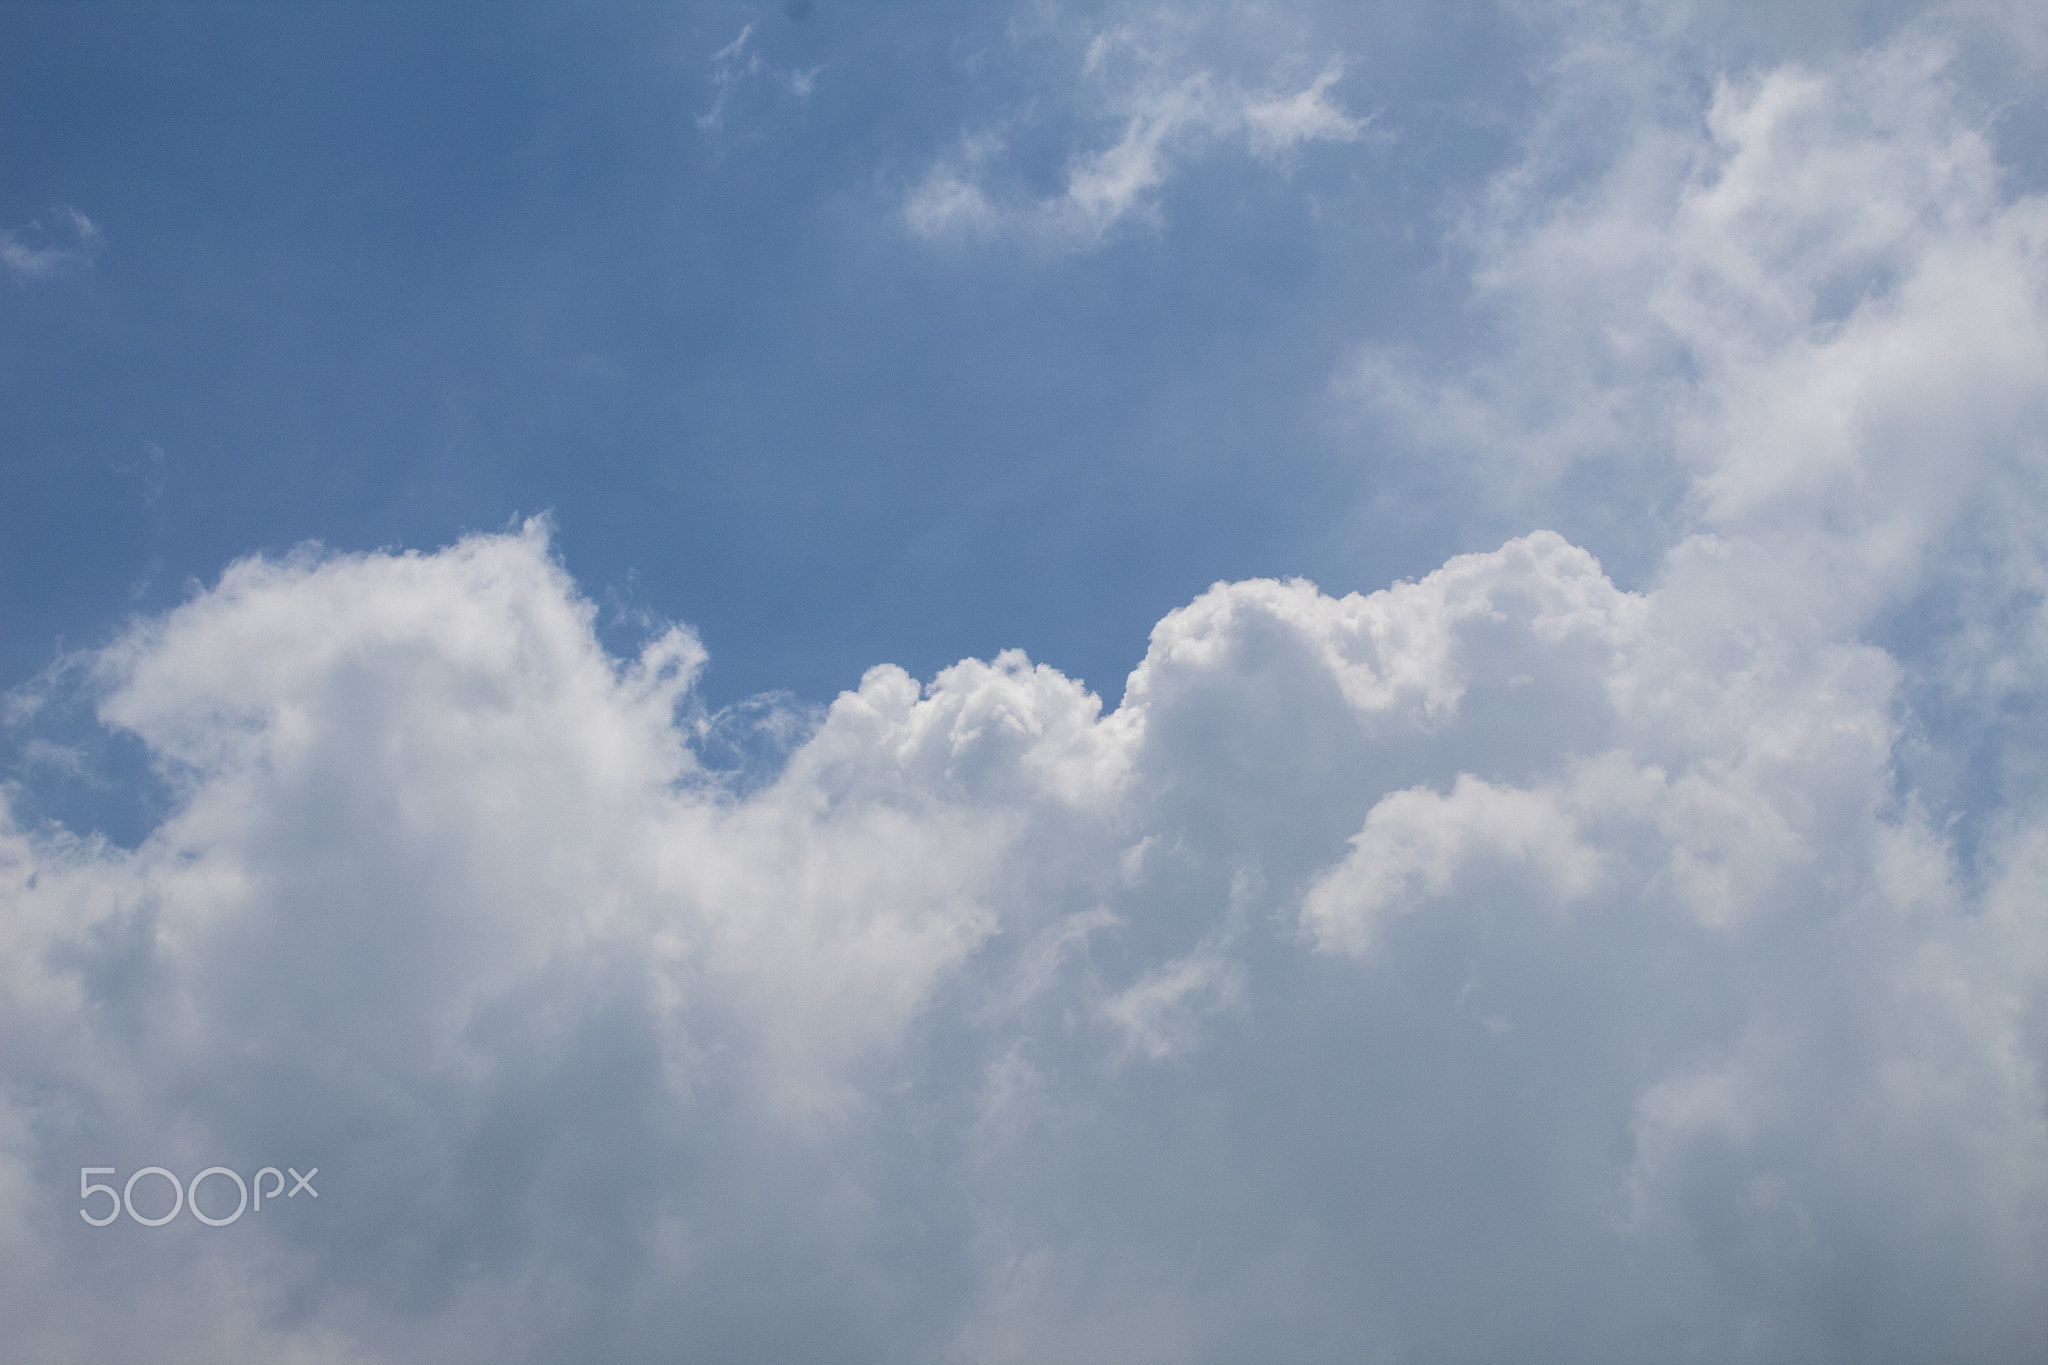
point(1162, 113)
point(740, 64)
point(61, 240)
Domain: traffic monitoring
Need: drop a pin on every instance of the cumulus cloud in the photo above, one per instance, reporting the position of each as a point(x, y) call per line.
point(1799, 329)
point(1502, 965)
point(1771, 298)
point(1160, 111)
point(998, 1027)
point(62, 240)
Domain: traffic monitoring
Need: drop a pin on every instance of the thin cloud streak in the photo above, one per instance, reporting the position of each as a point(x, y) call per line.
point(1166, 116)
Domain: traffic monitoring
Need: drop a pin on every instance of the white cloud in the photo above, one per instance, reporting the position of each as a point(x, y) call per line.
point(63, 240)
point(448, 908)
point(1784, 305)
point(1279, 125)
point(738, 65)
point(1501, 964)
point(1160, 111)
point(1415, 843)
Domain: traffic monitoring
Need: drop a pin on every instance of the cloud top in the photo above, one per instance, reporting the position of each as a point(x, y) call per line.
point(1506, 964)
point(448, 906)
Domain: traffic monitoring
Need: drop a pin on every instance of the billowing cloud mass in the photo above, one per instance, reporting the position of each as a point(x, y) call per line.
point(1502, 965)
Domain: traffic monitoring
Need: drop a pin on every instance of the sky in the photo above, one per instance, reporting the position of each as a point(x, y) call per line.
point(1024, 683)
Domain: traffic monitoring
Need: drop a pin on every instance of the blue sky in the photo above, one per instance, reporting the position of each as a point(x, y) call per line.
point(380, 277)
point(1026, 682)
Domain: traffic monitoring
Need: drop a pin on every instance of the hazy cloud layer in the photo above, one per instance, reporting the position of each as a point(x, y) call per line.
point(1502, 965)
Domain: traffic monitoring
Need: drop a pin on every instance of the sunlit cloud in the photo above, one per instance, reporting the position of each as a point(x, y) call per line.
point(1509, 962)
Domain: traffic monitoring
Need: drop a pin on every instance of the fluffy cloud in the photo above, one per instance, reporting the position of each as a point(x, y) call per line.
point(996, 1027)
point(1772, 313)
point(1500, 965)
